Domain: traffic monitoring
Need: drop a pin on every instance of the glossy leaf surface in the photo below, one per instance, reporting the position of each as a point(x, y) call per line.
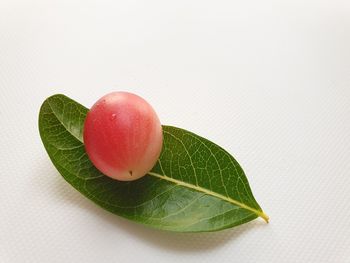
point(195, 186)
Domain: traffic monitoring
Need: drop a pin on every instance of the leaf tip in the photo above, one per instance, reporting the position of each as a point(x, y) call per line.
point(265, 217)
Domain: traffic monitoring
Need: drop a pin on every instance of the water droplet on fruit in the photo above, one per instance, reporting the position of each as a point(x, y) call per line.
point(113, 116)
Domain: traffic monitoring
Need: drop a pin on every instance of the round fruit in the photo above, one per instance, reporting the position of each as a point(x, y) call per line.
point(123, 136)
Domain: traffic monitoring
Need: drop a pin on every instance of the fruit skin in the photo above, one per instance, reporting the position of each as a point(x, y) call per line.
point(123, 136)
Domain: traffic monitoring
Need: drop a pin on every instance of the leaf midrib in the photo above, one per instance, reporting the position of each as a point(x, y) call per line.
point(211, 193)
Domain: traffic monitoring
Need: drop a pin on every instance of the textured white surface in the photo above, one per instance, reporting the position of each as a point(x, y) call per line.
point(267, 80)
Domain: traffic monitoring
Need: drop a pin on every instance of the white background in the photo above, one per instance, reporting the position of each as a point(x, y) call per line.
point(267, 80)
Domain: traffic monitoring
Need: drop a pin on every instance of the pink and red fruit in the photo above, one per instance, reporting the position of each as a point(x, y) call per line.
point(123, 136)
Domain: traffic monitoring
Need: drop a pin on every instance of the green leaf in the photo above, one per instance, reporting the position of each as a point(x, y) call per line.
point(195, 186)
